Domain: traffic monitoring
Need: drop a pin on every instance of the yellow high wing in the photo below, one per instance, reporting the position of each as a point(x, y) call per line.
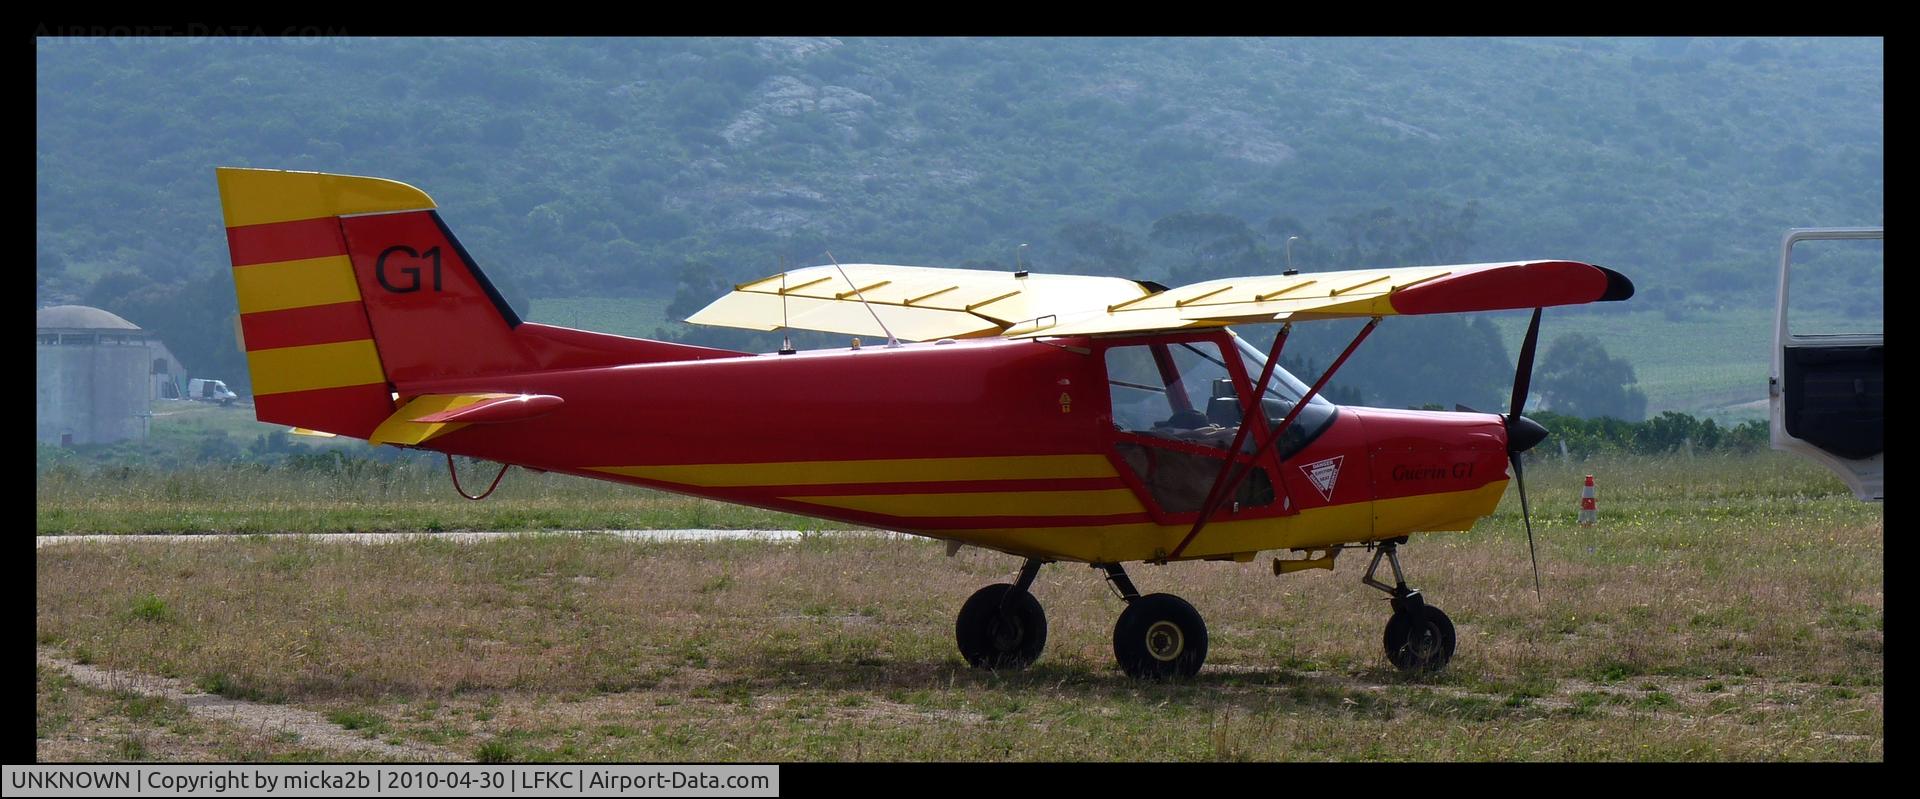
point(916, 303)
point(1246, 300)
point(920, 303)
point(1395, 291)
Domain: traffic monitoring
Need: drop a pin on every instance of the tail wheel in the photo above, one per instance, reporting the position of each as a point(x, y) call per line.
point(1001, 635)
point(1160, 636)
point(1419, 639)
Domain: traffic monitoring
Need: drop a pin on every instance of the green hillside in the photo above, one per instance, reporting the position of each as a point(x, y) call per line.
point(650, 168)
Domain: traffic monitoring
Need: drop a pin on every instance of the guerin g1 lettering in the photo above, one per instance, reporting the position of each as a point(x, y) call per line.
point(412, 273)
point(1458, 471)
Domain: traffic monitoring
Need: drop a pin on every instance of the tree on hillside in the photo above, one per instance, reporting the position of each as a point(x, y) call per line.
point(1100, 248)
point(1435, 233)
point(1215, 244)
point(1577, 378)
point(1310, 253)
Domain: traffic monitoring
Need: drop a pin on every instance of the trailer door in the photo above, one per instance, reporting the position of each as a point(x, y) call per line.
point(1827, 394)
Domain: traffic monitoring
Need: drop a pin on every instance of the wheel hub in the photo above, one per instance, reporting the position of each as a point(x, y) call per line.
point(1165, 641)
point(1423, 645)
point(1426, 643)
point(1007, 633)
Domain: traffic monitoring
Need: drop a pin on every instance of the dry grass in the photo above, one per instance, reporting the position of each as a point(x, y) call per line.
point(410, 495)
point(74, 722)
point(1723, 611)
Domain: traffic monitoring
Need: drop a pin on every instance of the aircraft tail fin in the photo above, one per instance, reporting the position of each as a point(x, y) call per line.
point(353, 294)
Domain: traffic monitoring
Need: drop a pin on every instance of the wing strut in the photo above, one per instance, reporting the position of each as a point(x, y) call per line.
point(1255, 412)
point(858, 292)
point(1216, 498)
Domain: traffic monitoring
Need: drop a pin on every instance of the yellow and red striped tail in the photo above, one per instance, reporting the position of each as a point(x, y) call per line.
point(310, 346)
point(352, 289)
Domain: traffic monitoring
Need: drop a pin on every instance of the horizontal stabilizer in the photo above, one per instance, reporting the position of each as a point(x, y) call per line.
point(429, 416)
point(497, 409)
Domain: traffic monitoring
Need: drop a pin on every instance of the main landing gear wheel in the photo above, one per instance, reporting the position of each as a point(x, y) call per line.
point(1419, 639)
point(1160, 636)
point(999, 630)
point(1001, 627)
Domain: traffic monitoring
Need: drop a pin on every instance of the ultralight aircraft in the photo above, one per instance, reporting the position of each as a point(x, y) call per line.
point(1056, 418)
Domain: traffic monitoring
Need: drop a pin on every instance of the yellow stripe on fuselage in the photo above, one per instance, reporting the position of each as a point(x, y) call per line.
point(295, 284)
point(892, 470)
point(344, 363)
point(1316, 527)
point(988, 503)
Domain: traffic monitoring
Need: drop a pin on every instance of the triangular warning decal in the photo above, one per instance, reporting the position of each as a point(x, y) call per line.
point(1323, 474)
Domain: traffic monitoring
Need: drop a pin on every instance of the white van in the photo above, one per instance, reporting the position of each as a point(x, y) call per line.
point(203, 390)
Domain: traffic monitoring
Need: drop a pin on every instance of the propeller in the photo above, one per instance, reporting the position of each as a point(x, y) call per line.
point(1523, 434)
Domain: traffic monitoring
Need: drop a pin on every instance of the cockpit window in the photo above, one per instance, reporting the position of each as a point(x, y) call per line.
point(1165, 388)
point(1283, 391)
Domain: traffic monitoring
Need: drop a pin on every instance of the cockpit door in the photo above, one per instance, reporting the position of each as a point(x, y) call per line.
point(1827, 394)
point(1174, 406)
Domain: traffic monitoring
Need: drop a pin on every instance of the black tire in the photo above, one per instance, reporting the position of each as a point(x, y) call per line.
point(993, 637)
point(1419, 641)
point(1160, 636)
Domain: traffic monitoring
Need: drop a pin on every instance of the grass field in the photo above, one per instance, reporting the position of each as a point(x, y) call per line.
point(74, 722)
point(1725, 609)
point(413, 494)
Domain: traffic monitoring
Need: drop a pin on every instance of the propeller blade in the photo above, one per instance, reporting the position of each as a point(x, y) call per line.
point(1523, 371)
point(1526, 516)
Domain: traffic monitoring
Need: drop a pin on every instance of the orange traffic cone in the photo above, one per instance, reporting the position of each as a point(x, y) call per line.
point(1589, 512)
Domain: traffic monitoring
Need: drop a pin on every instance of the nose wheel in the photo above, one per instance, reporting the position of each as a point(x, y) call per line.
point(1419, 638)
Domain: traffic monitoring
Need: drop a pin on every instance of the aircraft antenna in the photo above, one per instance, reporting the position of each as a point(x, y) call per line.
point(786, 337)
point(1290, 270)
point(891, 341)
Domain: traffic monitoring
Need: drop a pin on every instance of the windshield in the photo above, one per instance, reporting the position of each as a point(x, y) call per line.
point(1282, 385)
point(1283, 391)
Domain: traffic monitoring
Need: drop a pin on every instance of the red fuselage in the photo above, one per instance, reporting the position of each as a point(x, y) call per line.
point(1013, 445)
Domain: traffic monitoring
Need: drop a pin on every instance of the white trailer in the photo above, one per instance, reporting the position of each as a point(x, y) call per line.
point(1827, 393)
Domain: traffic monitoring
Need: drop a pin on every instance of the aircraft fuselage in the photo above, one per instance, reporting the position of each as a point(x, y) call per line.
point(1011, 445)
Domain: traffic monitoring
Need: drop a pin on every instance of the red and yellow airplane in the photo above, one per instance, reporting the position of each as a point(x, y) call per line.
point(1051, 417)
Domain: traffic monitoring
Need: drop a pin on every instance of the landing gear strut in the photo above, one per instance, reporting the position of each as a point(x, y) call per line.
point(1419, 638)
point(1158, 636)
point(1002, 626)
